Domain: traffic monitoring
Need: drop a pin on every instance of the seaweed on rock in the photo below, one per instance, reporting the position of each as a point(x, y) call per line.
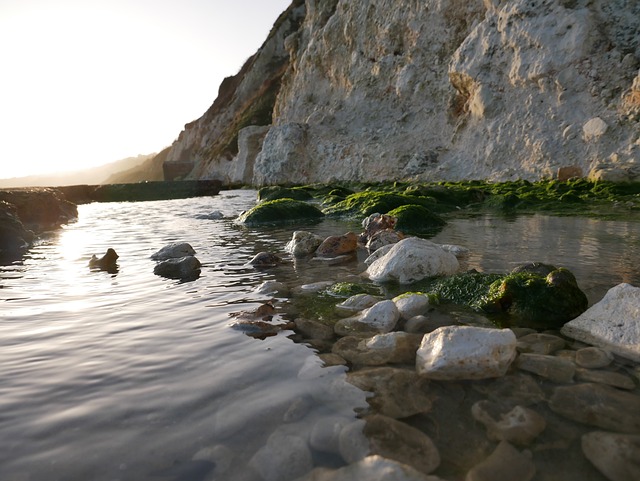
point(280, 210)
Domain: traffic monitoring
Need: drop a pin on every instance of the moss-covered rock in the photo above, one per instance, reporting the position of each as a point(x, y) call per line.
point(349, 289)
point(280, 210)
point(416, 219)
point(274, 192)
point(363, 204)
point(536, 297)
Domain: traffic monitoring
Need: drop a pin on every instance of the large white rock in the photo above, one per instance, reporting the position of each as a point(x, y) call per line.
point(411, 260)
point(466, 352)
point(613, 323)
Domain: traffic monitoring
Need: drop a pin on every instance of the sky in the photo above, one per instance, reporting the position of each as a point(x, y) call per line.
point(88, 82)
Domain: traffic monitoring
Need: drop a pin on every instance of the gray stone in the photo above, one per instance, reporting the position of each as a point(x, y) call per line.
point(396, 440)
point(512, 390)
point(598, 405)
point(303, 243)
point(505, 463)
point(519, 426)
point(617, 456)
point(381, 317)
point(610, 378)
point(187, 267)
point(593, 357)
point(554, 368)
point(378, 254)
point(174, 251)
point(382, 238)
point(397, 393)
point(612, 323)
point(540, 343)
point(356, 303)
point(410, 260)
point(411, 305)
point(283, 457)
point(331, 359)
point(220, 455)
point(465, 352)
point(273, 288)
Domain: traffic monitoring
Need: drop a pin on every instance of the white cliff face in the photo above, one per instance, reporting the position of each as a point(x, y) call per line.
point(456, 89)
point(440, 90)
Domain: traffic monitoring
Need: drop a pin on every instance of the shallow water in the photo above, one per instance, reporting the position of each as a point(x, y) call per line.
point(127, 376)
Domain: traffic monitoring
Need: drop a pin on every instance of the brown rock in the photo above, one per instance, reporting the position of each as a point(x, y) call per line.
point(506, 462)
point(338, 245)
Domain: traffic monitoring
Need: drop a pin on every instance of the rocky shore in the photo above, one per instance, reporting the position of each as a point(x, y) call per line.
point(461, 388)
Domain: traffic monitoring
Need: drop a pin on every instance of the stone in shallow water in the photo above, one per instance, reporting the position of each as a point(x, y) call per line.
point(540, 343)
point(617, 456)
point(554, 368)
point(411, 305)
point(397, 393)
point(356, 303)
point(388, 348)
point(398, 441)
point(371, 468)
point(610, 378)
point(612, 323)
point(311, 329)
point(273, 288)
point(303, 243)
point(598, 405)
point(185, 268)
point(513, 390)
point(505, 463)
point(593, 357)
point(283, 457)
point(381, 317)
point(325, 434)
point(174, 251)
point(519, 425)
point(334, 246)
point(465, 352)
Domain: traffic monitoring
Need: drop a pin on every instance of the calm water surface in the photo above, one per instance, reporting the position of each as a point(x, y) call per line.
point(127, 376)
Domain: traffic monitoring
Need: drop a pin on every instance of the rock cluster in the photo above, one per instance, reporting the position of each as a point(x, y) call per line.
point(177, 261)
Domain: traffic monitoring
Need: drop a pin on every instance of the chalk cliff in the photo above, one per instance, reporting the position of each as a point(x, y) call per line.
point(431, 90)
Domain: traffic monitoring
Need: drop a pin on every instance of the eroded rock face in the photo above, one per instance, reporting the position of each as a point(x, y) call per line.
point(430, 90)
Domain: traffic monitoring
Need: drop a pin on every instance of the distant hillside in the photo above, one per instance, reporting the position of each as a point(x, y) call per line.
point(150, 169)
point(96, 175)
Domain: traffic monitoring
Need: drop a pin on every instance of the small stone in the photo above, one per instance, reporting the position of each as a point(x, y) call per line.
point(593, 358)
point(411, 305)
point(381, 317)
point(594, 129)
point(220, 455)
point(265, 259)
point(388, 348)
point(506, 462)
point(424, 324)
point(383, 238)
point(566, 354)
point(331, 359)
point(397, 392)
point(518, 426)
point(554, 368)
point(338, 245)
point(598, 405)
point(273, 288)
point(174, 251)
point(466, 352)
point(333, 261)
point(356, 303)
point(396, 440)
point(512, 390)
point(378, 254)
point(540, 344)
point(609, 378)
point(283, 457)
point(325, 434)
point(614, 455)
point(298, 409)
point(303, 243)
point(352, 442)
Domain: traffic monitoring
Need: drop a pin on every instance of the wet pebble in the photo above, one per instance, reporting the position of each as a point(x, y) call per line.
point(617, 456)
point(506, 462)
point(411, 305)
point(273, 288)
point(311, 329)
point(325, 433)
point(390, 348)
point(540, 343)
point(381, 317)
point(519, 426)
point(284, 456)
point(356, 303)
point(593, 357)
point(610, 378)
point(265, 259)
point(334, 246)
point(512, 389)
point(553, 368)
point(303, 243)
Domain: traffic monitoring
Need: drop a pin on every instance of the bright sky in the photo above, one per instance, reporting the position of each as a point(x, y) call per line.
point(87, 82)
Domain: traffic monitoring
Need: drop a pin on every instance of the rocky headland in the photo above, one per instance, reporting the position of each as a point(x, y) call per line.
point(456, 90)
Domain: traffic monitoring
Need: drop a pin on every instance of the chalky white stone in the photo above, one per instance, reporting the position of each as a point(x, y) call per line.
point(466, 352)
point(411, 260)
point(613, 323)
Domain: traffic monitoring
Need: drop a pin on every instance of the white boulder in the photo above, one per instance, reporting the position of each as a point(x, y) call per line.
point(411, 260)
point(411, 305)
point(174, 251)
point(381, 317)
point(613, 323)
point(466, 352)
point(303, 243)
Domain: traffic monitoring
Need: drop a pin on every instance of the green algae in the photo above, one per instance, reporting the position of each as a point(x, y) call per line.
point(280, 210)
point(348, 289)
point(363, 204)
point(274, 192)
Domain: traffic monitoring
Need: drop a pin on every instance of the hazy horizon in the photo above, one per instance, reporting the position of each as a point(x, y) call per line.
point(89, 83)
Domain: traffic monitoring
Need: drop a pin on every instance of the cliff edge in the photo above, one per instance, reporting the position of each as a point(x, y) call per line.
point(432, 90)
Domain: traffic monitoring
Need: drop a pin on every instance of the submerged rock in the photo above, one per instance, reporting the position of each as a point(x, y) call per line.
point(411, 260)
point(593, 357)
point(612, 323)
point(184, 268)
point(506, 462)
point(520, 425)
point(265, 259)
point(105, 263)
point(284, 456)
point(388, 348)
point(615, 455)
point(174, 251)
point(381, 317)
point(554, 368)
point(466, 352)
